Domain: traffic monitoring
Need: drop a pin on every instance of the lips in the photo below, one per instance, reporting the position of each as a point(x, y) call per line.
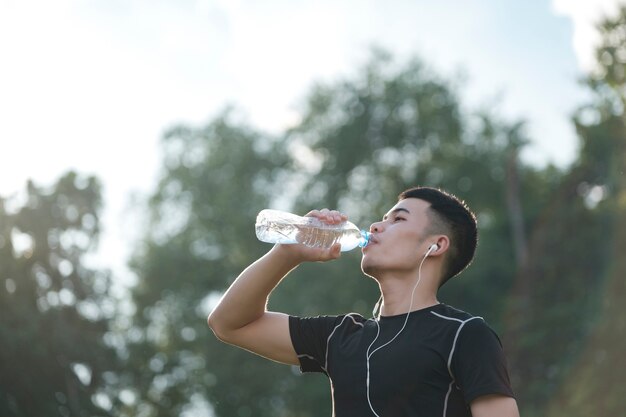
point(373, 241)
point(367, 250)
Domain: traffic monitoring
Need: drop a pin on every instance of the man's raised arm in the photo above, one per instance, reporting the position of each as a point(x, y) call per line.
point(241, 317)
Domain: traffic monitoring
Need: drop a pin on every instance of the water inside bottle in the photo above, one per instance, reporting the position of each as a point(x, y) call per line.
point(316, 237)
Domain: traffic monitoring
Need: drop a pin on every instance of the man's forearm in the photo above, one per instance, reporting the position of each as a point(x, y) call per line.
point(246, 299)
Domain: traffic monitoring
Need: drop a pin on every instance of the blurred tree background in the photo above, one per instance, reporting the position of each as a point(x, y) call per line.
point(548, 276)
point(56, 352)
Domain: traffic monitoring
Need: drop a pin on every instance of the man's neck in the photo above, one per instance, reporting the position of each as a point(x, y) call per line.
point(397, 292)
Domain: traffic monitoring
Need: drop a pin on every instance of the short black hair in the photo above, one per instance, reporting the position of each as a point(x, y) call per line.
point(451, 216)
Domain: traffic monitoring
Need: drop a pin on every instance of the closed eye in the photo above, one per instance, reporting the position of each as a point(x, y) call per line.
point(398, 219)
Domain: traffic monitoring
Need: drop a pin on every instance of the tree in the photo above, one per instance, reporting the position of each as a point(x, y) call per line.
point(53, 308)
point(215, 180)
point(408, 129)
point(360, 142)
point(593, 385)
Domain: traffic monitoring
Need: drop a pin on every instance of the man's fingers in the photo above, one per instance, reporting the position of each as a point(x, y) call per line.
point(335, 250)
point(328, 216)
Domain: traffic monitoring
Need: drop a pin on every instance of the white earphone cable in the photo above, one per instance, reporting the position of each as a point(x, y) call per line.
point(376, 319)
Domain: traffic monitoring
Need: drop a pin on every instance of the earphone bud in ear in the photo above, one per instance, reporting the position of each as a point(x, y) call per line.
point(433, 247)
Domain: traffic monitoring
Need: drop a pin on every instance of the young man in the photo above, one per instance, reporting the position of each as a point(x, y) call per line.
point(418, 357)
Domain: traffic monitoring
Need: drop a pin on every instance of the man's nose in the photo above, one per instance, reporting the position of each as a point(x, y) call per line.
point(376, 227)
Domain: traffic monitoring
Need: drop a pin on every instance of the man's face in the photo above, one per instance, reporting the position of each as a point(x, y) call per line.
point(398, 242)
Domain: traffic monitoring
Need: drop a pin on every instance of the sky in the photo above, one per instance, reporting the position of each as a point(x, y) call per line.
point(91, 85)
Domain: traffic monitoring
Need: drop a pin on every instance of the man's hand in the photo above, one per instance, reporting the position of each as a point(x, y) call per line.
point(302, 253)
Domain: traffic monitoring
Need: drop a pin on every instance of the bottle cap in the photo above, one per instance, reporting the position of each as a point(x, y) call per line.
point(365, 239)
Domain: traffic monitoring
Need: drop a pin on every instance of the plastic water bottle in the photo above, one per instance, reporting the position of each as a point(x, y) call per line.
point(274, 226)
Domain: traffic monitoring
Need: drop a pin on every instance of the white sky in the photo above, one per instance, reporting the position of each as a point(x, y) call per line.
point(91, 85)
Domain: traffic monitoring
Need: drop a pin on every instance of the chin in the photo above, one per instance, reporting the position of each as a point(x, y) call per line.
point(369, 269)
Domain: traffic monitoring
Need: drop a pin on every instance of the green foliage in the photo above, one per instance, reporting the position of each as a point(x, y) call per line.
point(543, 255)
point(592, 386)
point(363, 141)
point(409, 130)
point(53, 309)
point(548, 273)
point(215, 181)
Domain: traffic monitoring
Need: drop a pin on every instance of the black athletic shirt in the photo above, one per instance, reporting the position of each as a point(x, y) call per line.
point(443, 359)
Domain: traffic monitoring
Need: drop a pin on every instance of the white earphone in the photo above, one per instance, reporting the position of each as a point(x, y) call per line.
point(369, 354)
point(432, 248)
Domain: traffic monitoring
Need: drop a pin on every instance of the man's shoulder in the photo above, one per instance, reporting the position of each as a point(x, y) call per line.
point(448, 312)
point(350, 321)
point(468, 325)
point(332, 321)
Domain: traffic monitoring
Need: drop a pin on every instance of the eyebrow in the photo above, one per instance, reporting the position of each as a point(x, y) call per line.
point(395, 211)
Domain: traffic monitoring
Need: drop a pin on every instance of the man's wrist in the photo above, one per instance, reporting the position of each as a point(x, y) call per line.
point(289, 255)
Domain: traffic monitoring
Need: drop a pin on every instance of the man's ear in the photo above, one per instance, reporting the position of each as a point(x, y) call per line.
point(439, 246)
